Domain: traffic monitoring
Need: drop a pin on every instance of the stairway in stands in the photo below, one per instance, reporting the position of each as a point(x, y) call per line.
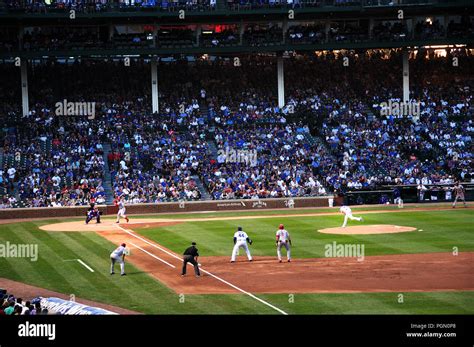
point(212, 149)
point(315, 141)
point(109, 194)
point(3, 191)
point(200, 185)
point(204, 110)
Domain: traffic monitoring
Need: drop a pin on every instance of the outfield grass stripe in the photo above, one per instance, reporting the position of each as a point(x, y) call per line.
point(111, 283)
point(229, 304)
point(78, 246)
point(74, 275)
point(68, 274)
point(452, 303)
point(9, 271)
point(32, 271)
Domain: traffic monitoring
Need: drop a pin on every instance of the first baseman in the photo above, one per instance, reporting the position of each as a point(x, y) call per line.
point(346, 210)
point(240, 241)
point(283, 239)
point(118, 256)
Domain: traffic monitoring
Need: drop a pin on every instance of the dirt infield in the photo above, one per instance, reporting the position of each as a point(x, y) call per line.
point(106, 225)
point(368, 229)
point(27, 292)
point(407, 272)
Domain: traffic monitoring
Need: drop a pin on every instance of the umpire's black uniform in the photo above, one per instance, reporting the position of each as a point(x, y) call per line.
point(190, 256)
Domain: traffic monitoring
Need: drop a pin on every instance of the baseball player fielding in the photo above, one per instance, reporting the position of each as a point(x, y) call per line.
point(283, 239)
point(241, 240)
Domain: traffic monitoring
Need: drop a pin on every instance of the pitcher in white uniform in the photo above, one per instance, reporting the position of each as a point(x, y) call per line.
point(118, 256)
point(283, 239)
point(346, 210)
point(240, 241)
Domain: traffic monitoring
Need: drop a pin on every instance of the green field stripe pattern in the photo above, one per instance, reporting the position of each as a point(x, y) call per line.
point(442, 230)
point(138, 291)
point(376, 303)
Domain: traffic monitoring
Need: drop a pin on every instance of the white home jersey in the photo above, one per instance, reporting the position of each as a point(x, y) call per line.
point(241, 236)
point(283, 235)
point(345, 210)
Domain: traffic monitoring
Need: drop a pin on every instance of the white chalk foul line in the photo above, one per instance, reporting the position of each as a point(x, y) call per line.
point(152, 255)
point(82, 263)
point(85, 265)
point(206, 272)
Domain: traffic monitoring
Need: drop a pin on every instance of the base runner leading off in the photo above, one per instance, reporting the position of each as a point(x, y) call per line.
point(240, 241)
point(283, 239)
point(346, 210)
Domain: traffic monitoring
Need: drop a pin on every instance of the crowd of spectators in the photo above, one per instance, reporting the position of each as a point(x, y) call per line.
point(53, 162)
point(331, 135)
point(268, 161)
point(10, 305)
point(90, 6)
point(224, 38)
point(255, 4)
point(166, 5)
point(338, 32)
point(310, 34)
point(151, 162)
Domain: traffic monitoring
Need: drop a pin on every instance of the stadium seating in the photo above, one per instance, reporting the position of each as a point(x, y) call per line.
point(331, 135)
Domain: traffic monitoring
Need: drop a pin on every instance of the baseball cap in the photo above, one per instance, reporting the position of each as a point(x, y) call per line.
point(281, 226)
point(123, 245)
point(193, 243)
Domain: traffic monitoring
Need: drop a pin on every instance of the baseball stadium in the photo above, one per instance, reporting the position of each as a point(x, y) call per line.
point(238, 157)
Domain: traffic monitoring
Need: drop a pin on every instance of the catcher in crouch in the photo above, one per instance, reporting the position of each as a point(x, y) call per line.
point(283, 239)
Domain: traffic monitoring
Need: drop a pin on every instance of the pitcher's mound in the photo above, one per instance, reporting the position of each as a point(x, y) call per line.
point(368, 229)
